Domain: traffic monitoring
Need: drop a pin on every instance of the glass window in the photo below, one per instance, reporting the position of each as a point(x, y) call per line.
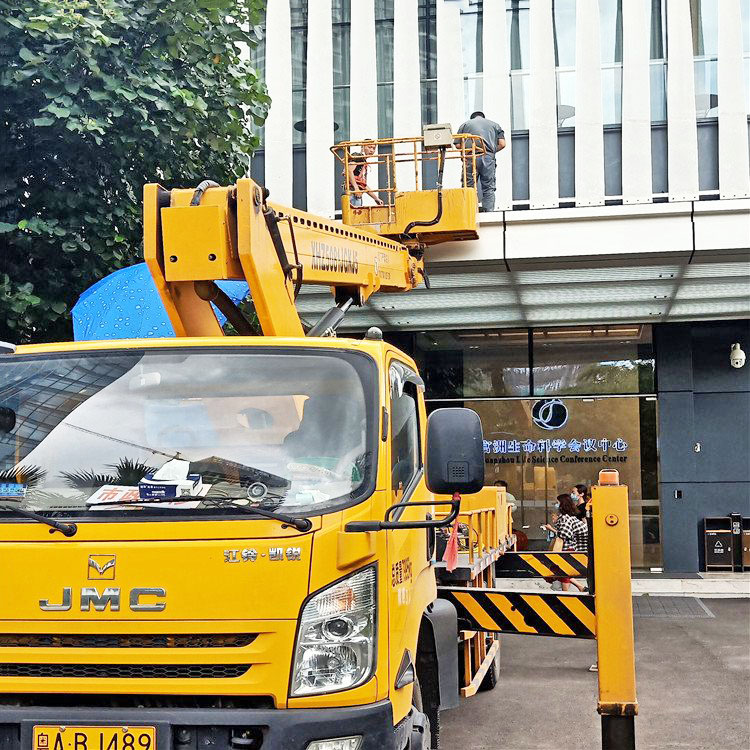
point(604, 359)
point(520, 60)
point(258, 61)
point(564, 28)
point(610, 29)
point(384, 57)
point(90, 428)
point(543, 447)
point(518, 32)
point(341, 19)
point(298, 11)
point(405, 445)
point(658, 66)
point(472, 49)
point(471, 364)
point(428, 59)
point(704, 15)
point(610, 22)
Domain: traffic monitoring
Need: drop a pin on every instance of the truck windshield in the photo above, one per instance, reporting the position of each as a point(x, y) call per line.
point(118, 432)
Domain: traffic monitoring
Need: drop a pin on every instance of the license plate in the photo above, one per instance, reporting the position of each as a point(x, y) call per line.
point(94, 738)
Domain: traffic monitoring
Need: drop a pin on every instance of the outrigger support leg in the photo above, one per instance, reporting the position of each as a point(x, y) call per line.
point(618, 732)
point(618, 705)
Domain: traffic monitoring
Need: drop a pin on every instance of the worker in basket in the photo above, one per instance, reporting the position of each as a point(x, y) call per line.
point(357, 177)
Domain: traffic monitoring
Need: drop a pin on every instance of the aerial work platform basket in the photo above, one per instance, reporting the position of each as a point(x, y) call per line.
point(408, 174)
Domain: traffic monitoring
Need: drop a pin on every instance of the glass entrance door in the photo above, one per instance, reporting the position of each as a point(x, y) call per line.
point(543, 447)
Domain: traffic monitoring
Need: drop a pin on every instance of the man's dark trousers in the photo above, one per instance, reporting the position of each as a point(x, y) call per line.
point(486, 173)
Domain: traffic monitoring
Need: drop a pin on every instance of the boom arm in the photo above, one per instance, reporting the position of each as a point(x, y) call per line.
point(193, 238)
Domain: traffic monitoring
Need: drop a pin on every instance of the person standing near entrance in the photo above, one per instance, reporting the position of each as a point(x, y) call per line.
point(573, 532)
point(493, 137)
point(581, 496)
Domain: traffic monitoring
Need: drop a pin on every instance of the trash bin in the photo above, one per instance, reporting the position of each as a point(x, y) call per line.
point(717, 539)
point(746, 544)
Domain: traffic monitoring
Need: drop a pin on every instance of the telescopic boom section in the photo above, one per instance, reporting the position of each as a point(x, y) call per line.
point(195, 237)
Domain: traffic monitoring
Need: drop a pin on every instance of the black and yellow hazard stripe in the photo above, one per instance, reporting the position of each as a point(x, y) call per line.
point(542, 565)
point(547, 613)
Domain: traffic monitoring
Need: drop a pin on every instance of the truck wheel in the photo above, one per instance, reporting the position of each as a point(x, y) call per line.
point(420, 732)
point(491, 677)
point(430, 699)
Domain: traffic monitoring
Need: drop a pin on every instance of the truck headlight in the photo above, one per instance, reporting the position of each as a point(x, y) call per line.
point(335, 647)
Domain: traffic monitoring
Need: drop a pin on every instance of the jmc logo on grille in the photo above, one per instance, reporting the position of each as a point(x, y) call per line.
point(101, 567)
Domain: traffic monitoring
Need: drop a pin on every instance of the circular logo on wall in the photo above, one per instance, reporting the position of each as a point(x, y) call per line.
point(549, 413)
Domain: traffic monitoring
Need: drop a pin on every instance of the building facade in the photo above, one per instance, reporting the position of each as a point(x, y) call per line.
point(590, 324)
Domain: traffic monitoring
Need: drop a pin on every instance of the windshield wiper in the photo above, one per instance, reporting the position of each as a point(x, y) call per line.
point(299, 523)
point(66, 529)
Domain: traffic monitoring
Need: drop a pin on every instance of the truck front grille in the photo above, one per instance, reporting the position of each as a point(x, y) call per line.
point(126, 671)
point(179, 640)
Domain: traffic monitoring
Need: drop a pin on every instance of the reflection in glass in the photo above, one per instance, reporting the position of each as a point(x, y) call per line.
point(706, 88)
point(564, 37)
point(658, 39)
point(518, 43)
point(538, 464)
point(298, 12)
point(704, 15)
point(614, 359)
point(428, 59)
point(658, 55)
point(518, 34)
point(610, 25)
point(341, 38)
point(610, 29)
point(473, 364)
point(519, 101)
point(258, 61)
point(473, 89)
point(566, 98)
point(472, 54)
point(384, 57)
point(612, 94)
point(658, 75)
point(564, 32)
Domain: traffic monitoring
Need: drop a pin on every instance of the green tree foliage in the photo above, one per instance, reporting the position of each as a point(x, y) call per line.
point(98, 97)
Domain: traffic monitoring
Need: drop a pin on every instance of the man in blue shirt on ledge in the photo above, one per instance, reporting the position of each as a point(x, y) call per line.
point(494, 140)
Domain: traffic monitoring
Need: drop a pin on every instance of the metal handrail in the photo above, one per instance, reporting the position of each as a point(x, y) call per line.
point(393, 151)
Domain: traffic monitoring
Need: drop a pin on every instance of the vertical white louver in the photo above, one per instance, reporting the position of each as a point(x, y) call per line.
point(319, 122)
point(734, 169)
point(496, 93)
point(407, 109)
point(450, 79)
point(589, 135)
point(279, 80)
point(543, 173)
point(682, 129)
point(636, 104)
point(363, 107)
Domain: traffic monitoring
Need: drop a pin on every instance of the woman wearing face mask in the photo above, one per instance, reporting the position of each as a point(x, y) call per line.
point(580, 495)
point(573, 532)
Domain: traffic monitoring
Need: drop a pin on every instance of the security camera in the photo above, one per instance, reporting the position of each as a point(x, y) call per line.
point(736, 356)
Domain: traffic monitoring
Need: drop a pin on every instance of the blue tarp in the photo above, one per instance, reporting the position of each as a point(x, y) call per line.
point(126, 305)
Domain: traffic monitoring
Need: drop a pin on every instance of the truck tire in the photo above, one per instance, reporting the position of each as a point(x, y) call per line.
point(427, 680)
point(491, 677)
point(420, 732)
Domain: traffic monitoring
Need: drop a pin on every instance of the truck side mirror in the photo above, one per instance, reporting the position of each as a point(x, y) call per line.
point(455, 452)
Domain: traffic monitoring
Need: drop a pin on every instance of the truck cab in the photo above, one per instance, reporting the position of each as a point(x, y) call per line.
point(182, 564)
